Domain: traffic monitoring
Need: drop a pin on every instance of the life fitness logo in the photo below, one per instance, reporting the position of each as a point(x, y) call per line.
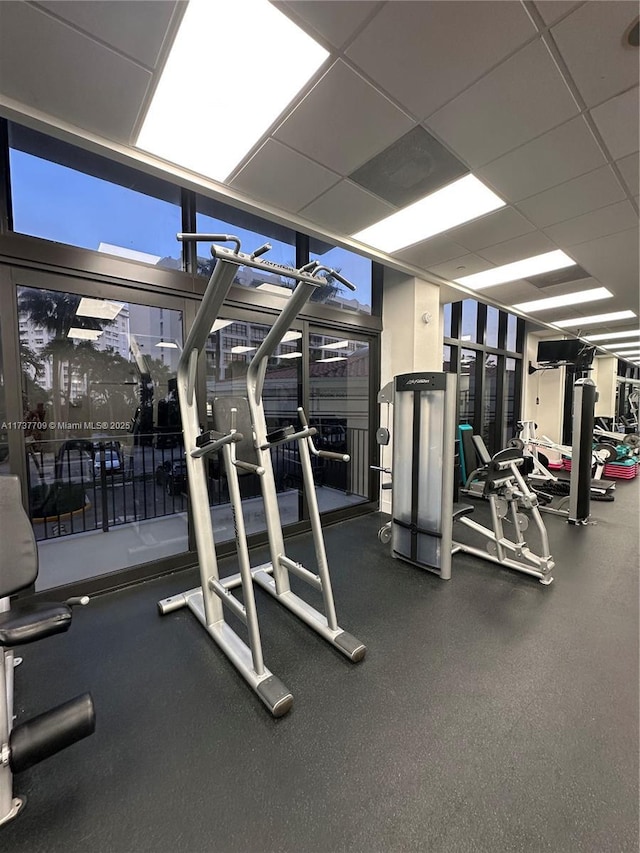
point(418, 382)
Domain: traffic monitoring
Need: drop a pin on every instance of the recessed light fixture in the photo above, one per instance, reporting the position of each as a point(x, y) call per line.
point(242, 349)
point(100, 309)
point(290, 355)
point(291, 336)
point(595, 318)
point(633, 353)
point(606, 336)
point(617, 345)
point(334, 358)
point(203, 72)
point(167, 345)
point(568, 299)
point(220, 324)
point(458, 202)
point(535, 265)
point(83, 334)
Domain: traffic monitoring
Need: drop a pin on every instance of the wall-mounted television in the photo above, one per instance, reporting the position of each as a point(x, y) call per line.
point(571, 351)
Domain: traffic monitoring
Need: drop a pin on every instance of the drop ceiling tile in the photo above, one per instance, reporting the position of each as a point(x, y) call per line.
point(42, 67)
point(283, 177)
point(591, 42)
point(630, 169)
point(433, 251)
point(573, 198)
point(457, 267)
point(559, 155)
point(334, 22)
point(613, 260)
point(343, 121)
point(551, 10)
point(617, 121)
point(597, 223)
point(141, 38)
point(493, 228)
point(423, 54)
point(346, 208)
point(520, 99)
point(517, 249)
point(513, 292)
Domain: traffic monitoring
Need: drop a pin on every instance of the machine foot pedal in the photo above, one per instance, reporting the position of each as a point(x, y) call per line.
point(354, 649)
point(275, 696)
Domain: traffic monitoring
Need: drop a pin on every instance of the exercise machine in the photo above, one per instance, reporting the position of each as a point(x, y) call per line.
point(508, 493)
point(424, 411)
point(423, 469)
point(246, 445)
point(26, 744)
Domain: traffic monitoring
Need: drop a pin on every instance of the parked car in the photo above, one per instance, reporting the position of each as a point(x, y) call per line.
point(172, 476)
point(112, 462)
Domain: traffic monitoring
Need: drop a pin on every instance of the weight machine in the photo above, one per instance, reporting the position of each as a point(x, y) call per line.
point(423, 509)
point(26, 744)
point(246, 445)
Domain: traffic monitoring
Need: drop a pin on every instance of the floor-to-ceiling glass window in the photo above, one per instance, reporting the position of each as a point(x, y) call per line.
point(483, 345)
point(339, 389)
point(103, 442)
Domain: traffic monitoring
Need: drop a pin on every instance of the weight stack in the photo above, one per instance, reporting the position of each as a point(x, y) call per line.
point(584, 401)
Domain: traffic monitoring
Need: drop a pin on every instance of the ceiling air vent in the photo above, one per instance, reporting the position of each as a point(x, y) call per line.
point(409, 169)
point(548, 279)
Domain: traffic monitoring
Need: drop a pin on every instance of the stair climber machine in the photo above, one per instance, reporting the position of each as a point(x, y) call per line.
point(242, 437)
point(423, 468)
point(25, 744)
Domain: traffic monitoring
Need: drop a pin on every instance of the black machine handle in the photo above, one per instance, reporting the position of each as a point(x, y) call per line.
point(77, 601)
point(48, 733)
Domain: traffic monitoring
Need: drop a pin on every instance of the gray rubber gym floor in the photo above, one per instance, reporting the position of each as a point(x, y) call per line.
point(490, 714)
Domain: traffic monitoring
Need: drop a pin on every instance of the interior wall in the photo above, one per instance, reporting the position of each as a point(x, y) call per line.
point(605, 375)
point(543, 393)
point(408, 342)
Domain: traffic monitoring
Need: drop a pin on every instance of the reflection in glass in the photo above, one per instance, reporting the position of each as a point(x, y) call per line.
point(4, 437)
point(69, 196)
point(339, 409)
point(512, 332)
point(510, 415)
point(353, 267)
point(469, 324)
point(229, 350)
point(491, 336)
point(446, 359)
point(446, 320)
point(104, 441)
point(489, 426)
point(467, 387)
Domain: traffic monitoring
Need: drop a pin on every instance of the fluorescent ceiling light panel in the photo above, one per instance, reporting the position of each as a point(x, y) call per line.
point(535, 265)
point(100, 309)
point(83, 334)
point(595, 318)
point(241, 64)
point(463, 200)
point(167, 345)
point(336, 345)
point(591, 295)
point(606, 336)
point(220, 324)
point(630, 345)
point(290, 355)
point(634, 353)
point(334, 358)
point(242, 349)
point(291, 336)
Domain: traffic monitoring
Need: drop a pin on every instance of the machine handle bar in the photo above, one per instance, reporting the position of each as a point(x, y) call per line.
point(77, 600)
point(210, 238)
point(329, 454)
point(335, 275)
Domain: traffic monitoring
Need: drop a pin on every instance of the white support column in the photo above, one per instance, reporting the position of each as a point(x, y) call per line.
point(412, 324)
point(605, 375)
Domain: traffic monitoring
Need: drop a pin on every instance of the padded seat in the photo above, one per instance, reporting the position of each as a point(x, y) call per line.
point(30, 622)
point(461, 509)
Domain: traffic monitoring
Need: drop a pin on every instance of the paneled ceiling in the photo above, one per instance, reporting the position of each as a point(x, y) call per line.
point(538, 99)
